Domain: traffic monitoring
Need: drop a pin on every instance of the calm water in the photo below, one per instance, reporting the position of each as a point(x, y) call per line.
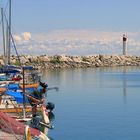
point(95, 104)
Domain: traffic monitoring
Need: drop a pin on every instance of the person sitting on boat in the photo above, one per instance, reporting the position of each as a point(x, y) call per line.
point(39, 94)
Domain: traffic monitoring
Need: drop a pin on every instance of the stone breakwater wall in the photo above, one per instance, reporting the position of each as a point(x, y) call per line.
point(63, 61)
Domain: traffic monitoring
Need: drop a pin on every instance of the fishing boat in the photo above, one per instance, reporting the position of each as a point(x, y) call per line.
point(19, 130)
point(12, 102)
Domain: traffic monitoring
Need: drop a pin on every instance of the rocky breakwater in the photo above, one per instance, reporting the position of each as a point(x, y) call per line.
point(63, 61)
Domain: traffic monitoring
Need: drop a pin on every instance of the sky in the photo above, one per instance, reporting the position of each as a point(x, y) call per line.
point(75, 27)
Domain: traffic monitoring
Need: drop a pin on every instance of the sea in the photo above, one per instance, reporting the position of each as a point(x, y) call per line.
point(95, 103)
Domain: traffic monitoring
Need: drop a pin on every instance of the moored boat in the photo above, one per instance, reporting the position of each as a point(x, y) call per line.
point(32, 85)
point(10, 125)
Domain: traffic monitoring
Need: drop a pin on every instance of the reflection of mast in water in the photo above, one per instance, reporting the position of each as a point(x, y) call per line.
point(124, 85)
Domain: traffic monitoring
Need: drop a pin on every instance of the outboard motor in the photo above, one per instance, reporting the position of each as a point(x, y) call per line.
point(35, 122)
point(50, 106)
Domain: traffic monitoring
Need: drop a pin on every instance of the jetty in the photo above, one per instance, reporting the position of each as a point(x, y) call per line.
point(65, 61)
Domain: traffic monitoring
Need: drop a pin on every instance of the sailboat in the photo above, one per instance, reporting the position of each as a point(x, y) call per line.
point(7, 68)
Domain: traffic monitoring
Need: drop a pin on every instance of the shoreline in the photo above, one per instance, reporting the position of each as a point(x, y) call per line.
point(64, 61)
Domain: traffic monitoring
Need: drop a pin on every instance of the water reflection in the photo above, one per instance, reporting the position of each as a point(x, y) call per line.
point(51, 138)
point(102, 93)
point(124, 85)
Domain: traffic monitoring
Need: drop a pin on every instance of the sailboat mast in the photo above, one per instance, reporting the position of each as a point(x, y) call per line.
point(6, 43)
point(9, 33)
point(3, 32)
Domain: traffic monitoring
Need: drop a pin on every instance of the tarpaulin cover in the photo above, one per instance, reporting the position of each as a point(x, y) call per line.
point(17, 95)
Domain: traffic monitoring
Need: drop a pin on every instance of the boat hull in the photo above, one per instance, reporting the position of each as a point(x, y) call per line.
point(17, 110)
point(34, 85)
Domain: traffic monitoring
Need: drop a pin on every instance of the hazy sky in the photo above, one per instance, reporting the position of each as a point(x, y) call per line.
point(107, 15)
point(64, 26)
